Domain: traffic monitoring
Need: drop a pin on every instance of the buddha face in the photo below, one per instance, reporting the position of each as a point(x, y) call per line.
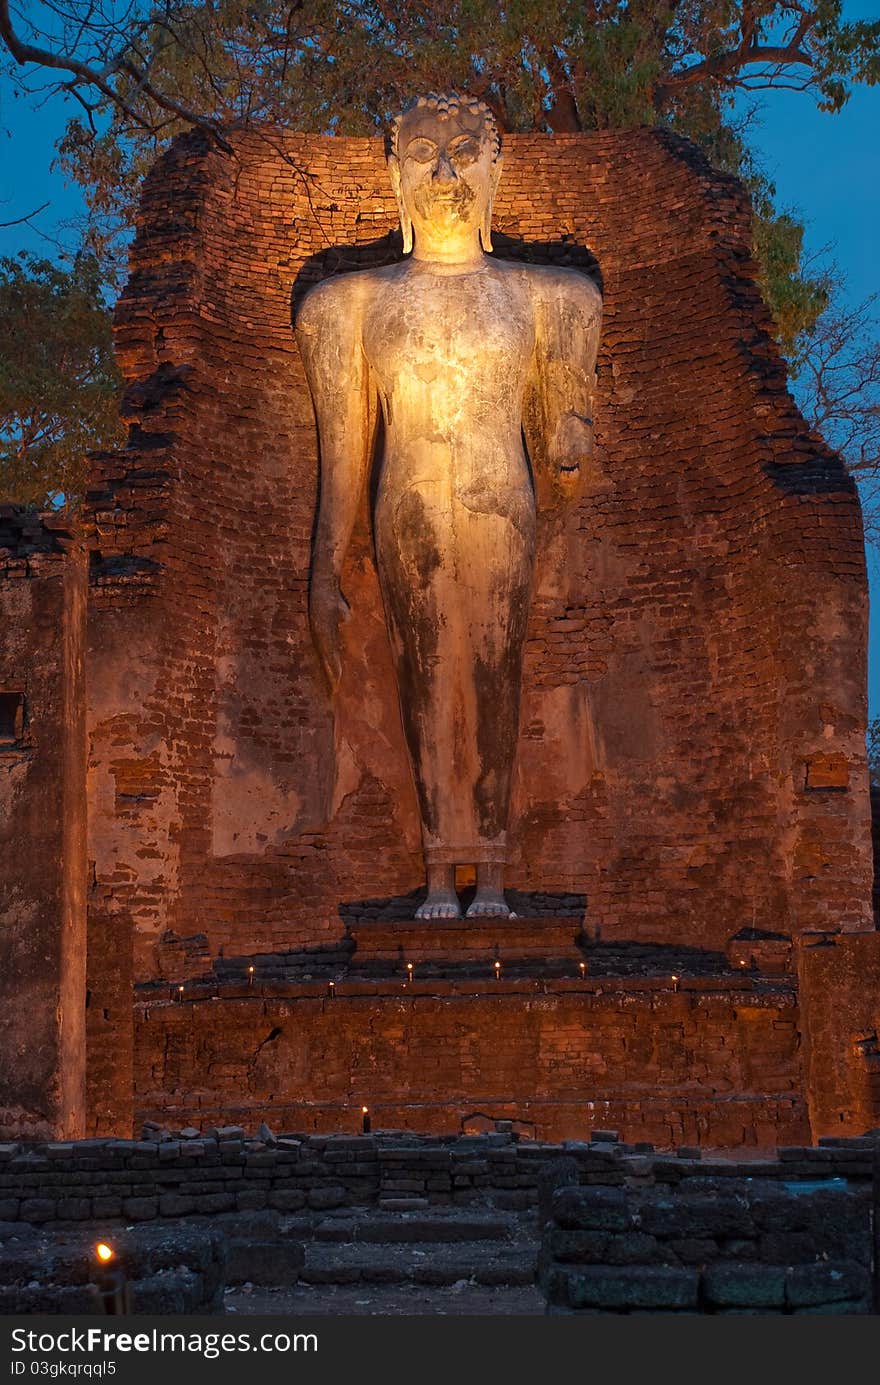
point(444, 174)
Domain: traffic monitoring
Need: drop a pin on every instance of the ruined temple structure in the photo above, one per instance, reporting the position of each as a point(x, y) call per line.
point(209, 875)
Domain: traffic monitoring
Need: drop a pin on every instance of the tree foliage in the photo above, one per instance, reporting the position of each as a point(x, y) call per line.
point(560, 64)
point(59, 386)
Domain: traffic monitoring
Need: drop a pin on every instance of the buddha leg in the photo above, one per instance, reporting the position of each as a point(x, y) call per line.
point(441, 901)
point(456, 584)
point(489, 901)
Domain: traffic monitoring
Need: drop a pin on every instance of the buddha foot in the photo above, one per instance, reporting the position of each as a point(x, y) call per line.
point(489, 904)
point(441, 905)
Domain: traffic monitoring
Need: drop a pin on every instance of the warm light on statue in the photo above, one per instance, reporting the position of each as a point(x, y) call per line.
point(464, 353)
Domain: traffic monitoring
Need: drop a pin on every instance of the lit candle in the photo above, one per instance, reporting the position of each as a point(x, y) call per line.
point(111, 1282)
point(366, 1120)
point(583, 969)
point(180, 993)
point(409, 971)
point(250, 976)
point(497, 970)
point(331, 989)
point(675, 983)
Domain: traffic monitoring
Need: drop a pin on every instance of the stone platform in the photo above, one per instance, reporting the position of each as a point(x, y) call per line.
point(487, 940)
point(675, 1045)
point(671, 1058)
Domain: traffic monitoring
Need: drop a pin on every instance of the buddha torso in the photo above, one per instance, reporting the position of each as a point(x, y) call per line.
point(449, 353)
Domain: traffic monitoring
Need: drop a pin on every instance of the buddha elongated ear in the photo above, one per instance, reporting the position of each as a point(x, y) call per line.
point(406, 225)
point(486, 223)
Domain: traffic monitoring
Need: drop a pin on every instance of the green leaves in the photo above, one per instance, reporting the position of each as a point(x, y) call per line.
point(795, 297)
point(59, 386)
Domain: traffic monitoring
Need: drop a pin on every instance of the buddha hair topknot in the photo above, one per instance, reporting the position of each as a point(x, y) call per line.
point(445, 103)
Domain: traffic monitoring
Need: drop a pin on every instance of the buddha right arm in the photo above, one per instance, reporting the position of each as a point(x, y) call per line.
point(328, 332)
point(558, 408)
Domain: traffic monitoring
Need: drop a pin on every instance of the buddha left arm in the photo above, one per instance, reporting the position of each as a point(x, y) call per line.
point(558, 409)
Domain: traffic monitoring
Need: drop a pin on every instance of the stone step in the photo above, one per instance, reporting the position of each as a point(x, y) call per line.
point(478, 1262)
point(404, 1229)
point(390, 1300)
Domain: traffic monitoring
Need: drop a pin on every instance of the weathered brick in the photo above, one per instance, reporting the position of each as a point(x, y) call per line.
point(744, 1285)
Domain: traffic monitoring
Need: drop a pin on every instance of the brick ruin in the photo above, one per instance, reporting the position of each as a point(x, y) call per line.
point(619, 1227)
point(696, 958)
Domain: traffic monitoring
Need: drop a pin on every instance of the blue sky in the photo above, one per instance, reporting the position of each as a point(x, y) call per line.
point(825, 167)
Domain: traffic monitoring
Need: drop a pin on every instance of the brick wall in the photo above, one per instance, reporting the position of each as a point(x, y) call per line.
point(839, 985)
point(715, 1245)
point(691, 758)
point(180, 1174)
point(717, 1067)
point(698, 631)
point(42, 826)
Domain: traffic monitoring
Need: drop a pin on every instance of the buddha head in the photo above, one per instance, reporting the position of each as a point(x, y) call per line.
point(444, 160)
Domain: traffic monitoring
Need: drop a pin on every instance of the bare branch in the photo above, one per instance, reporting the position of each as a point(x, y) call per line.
point(21, 220)
point(725, 66)
point(25, 53)
point(838, 384)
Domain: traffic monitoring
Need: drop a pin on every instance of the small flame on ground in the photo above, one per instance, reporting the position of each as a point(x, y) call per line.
point(103, 1251)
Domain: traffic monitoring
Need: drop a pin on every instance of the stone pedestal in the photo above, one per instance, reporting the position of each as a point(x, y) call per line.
point(466, 941)
point(670, 1057)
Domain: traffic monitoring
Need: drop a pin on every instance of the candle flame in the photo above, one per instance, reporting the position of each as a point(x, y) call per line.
point(103, 1251)
point(365, 1109)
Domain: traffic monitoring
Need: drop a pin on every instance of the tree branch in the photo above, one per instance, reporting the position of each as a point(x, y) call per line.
point(723, 65)
point(20, 220)
point(563, 116)
point(25, 53)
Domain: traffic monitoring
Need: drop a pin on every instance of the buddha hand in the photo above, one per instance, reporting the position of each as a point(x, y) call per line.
point(573, 453)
